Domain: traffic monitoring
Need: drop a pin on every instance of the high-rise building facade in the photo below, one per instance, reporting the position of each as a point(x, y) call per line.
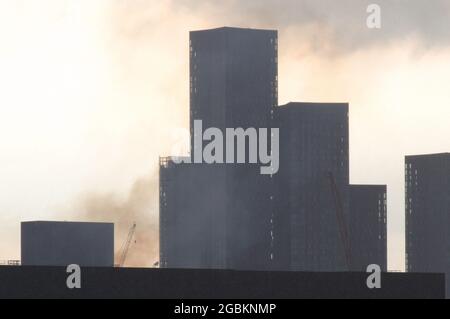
point(311, 187)
point(192, 216)
point(427, 210)
point(427, 205)
point(230, 216)
point(368, 226)
point(233, 78)
point(233, 84)
point(205, 226)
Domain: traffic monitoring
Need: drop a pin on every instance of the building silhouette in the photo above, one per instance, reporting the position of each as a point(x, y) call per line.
point(233, 84)
point(233, 78)
point(427, 205)
point(192, 216)
point(313, 149)
point(368, 226)
point(64, 243)
point(229, 216)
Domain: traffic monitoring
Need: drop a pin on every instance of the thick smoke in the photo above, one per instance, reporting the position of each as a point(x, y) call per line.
point(118, 75)
point(345, 20)
point(140, 206)
point(145, 35)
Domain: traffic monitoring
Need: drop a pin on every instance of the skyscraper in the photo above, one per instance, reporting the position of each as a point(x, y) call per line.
point(427, 207)
point(311, 187)
point(192, 216)
point(233, 78)
point(427, 213)
point(368, 226)
point(229, 216)
point(233, 84)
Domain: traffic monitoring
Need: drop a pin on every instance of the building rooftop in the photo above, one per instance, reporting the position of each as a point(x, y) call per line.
point(369, 185)
point(64, 222)
point(430, 156)
point(225, 28)
point(312, 106)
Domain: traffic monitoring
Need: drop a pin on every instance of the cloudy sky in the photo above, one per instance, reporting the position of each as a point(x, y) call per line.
point(93, 91)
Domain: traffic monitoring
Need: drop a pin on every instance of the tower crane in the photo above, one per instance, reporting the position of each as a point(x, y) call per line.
point(126, 245)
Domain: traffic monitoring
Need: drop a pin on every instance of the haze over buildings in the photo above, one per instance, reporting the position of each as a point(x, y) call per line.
point(229, 216)
point(94, 91)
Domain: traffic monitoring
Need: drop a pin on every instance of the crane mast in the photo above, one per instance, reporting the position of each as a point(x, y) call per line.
point(126, 246)
point(341, 220)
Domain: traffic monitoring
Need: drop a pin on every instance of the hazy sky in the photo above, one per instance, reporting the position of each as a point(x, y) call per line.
point(93, 91)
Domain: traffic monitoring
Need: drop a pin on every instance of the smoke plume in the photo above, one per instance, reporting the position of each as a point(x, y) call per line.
point(140, 206)
point(92, 90)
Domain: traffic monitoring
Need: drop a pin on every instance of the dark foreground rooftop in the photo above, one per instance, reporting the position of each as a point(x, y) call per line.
point(50, 282)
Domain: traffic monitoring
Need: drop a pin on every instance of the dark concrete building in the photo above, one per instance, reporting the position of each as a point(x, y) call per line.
point(203, 225)
point(311, 187)
point(192, 216)
point(233, 78)
point(427, 182)
point(368, 226)
point(233, 84)
point(65, 243)
point(229, 216)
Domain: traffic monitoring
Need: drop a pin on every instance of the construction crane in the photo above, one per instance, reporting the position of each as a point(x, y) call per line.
point(341, 220)
point(126, 245)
